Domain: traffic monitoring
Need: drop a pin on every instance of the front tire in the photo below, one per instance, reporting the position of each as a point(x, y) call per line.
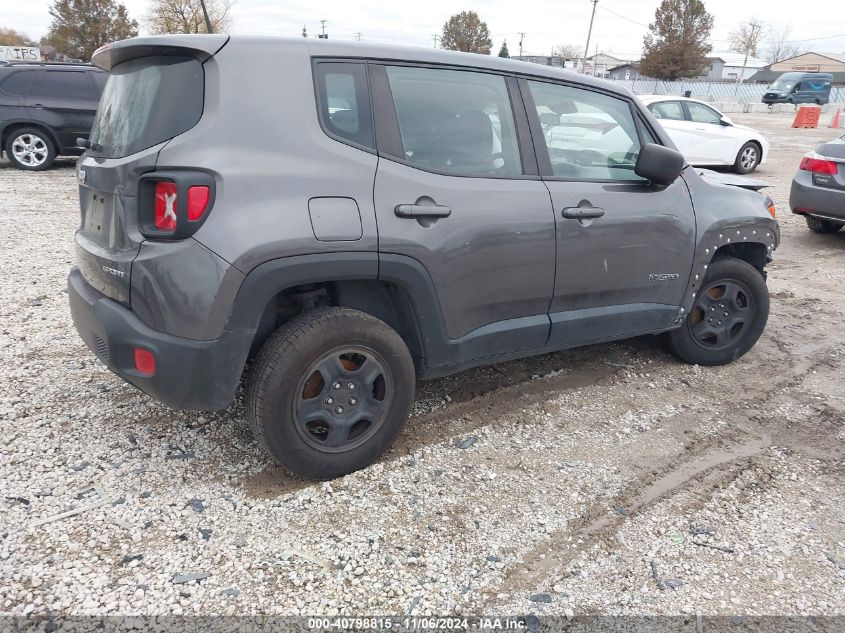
point(330, 392)
point(727, 318)
point(30, 149)
point(748, 158)
point(818, 225)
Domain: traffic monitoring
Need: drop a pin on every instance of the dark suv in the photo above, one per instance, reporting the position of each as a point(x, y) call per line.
point(352, 217)
point(44, 108)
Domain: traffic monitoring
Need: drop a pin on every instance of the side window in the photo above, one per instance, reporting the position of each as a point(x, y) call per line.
point(589, 135)
point(16, 83)
point(702, 114)
point(62, 84)
point(667, 110)
point(455, 122)
point(344, 102)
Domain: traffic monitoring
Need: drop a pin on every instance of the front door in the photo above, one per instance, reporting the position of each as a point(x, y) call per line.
point(713, 142)
point(453, 192)
point(624, 246)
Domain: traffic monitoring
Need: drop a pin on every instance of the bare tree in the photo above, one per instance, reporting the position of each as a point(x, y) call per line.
point(780, 47)
point(567, 51)
point(746, 39)
point(186, 16)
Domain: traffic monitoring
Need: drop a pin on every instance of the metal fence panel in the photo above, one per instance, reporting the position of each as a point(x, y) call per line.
point(709, 90)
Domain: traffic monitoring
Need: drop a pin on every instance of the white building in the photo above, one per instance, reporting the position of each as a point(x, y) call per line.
point(728, 67)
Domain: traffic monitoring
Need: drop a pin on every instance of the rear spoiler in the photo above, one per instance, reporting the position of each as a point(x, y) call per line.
point(200, 46)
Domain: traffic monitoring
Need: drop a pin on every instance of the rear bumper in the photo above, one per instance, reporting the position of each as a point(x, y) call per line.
point(805, 198)
point(189, 374)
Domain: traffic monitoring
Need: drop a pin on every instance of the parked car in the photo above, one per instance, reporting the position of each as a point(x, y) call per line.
point(799, 88)
point(705, 136)
point(380, 214)
point(44, 108)
point(818, 189)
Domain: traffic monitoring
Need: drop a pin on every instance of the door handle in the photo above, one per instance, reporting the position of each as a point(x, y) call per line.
point(422, 211)
point(37, 105)
point(582, 213)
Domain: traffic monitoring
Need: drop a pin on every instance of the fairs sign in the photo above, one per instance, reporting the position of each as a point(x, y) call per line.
point(20, 53)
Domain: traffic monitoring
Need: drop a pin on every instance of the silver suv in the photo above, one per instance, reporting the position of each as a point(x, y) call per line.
point(352, 217)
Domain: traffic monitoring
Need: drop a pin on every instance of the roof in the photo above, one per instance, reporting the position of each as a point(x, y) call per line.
point(735, 59)
point(634, 65)
point(113, 54)
point(837, 57)
point(769, 76)
point(646, 99)
point(25, 64)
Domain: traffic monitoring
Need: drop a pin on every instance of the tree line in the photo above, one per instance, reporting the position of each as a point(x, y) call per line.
point(675, 46)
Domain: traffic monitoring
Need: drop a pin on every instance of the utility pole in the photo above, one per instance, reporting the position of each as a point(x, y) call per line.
point(589, 34)
point(207, 20)
point(436, 37)
point(359, 36)
point(323, 26)
point(596, 60)
point(521, 36)
point(748, 43)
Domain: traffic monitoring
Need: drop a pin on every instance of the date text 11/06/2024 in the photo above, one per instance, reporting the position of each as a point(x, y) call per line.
point(407, 623)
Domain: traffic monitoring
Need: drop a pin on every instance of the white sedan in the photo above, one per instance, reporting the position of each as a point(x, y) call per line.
point(705, 136)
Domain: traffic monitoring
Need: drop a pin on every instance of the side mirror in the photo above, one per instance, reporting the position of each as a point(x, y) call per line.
point(661, 165)
point(726, 121)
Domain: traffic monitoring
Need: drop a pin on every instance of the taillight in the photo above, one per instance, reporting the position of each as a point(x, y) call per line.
point(173, 204)
point(818, 164)
point(198, 197)
point(165, 206)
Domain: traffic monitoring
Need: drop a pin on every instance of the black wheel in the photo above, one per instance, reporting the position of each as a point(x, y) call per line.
point(818, 225)
point(30, 149)
point(748, 158)
point(728, 316)
point(330, 392)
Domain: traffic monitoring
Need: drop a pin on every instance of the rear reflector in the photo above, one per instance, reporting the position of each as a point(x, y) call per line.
point(165, 206)
point(197, 202)
point(818, 164)
point(145, 362)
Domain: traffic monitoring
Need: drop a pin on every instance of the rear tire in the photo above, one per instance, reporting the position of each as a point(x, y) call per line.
point(30, 149)
point(748, 158)
point(330, 392)
point(818, 225)
point(728, 316)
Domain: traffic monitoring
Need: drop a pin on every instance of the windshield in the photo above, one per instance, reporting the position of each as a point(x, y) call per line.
point(147, 101)
point(784, 85)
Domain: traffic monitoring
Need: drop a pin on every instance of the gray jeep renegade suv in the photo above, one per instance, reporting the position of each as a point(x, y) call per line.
point(351, 217)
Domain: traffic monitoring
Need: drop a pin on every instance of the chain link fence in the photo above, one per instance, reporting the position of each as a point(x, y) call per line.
point(710, 90)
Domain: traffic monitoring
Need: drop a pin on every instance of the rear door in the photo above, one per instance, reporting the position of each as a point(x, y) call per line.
point(674, 120)
point(66, 101)
point(624, 246)
point(457, 190)
point(712, 142)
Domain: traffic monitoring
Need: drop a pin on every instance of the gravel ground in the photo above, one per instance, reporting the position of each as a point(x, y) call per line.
point(604, 480)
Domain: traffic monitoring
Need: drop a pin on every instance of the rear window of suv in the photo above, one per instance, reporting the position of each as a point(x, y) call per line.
point(147, 101)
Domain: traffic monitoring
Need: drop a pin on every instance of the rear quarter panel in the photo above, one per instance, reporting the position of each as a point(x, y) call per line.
point(261, 137)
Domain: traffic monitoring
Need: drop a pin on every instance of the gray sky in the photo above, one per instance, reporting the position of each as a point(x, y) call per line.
point(619, 27)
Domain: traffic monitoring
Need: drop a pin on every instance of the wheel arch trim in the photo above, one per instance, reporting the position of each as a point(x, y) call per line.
point(727, 234)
